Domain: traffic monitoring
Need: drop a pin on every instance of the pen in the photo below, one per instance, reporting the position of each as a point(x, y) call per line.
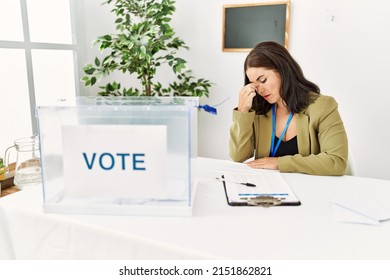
point(263, 194)
point(241, 183)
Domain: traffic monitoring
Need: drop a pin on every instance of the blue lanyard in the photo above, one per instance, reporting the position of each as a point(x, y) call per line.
point(274, 149)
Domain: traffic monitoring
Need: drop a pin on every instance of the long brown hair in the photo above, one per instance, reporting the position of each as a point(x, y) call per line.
point(296, 91)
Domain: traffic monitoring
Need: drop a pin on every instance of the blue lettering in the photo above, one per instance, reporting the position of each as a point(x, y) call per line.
point(112, 161)
point(107, 160)
point(123, 159)
point(89, 164)
point(135, 162)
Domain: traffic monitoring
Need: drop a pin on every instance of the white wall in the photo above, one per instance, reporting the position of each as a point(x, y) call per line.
point(340, 44)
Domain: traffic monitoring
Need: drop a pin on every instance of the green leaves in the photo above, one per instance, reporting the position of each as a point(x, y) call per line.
point(88, 69)
point(143, 43)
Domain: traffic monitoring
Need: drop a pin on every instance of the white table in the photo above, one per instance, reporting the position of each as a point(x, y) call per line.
point(215, 230)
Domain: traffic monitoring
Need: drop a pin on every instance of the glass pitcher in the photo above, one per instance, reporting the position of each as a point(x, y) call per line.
point(28, 164)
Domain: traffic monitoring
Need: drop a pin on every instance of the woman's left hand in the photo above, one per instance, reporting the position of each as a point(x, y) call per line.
point(264, 163)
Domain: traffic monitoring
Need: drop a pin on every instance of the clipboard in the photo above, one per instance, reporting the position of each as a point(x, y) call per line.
point(258, 189)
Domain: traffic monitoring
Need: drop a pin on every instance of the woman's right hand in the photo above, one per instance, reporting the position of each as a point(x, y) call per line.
point(246, 97)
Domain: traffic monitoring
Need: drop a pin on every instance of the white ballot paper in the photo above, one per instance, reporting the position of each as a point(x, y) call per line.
point(368, 209)
point(242, 187)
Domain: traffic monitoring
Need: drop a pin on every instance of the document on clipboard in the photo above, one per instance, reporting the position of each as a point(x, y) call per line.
point(258, 189)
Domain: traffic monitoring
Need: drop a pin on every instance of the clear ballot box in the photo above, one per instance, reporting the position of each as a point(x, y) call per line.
point(118, 155)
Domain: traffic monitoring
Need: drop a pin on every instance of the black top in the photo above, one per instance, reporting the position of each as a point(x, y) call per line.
point(286, 148)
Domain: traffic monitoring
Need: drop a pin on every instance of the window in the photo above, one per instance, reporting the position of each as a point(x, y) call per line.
point(38, 61)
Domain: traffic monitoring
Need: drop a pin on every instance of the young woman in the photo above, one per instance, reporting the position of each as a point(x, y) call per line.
point(283, 120)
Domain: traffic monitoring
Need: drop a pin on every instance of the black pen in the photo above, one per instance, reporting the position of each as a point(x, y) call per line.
point(241, 183)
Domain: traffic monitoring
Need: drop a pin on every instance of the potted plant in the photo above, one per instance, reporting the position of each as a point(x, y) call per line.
point(144, 42)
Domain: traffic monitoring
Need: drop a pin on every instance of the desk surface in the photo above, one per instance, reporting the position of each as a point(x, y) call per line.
point(9, 191)
point(215, 230)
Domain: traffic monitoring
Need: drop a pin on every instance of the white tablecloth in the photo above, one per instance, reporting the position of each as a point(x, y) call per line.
point(215, 230)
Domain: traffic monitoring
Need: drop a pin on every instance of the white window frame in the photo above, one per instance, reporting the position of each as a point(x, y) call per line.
point(28, 46)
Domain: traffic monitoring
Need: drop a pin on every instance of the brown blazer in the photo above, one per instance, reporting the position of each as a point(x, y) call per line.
point(321, 136)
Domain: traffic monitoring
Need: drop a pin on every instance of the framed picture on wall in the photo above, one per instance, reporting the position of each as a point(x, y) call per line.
point(245, 25)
